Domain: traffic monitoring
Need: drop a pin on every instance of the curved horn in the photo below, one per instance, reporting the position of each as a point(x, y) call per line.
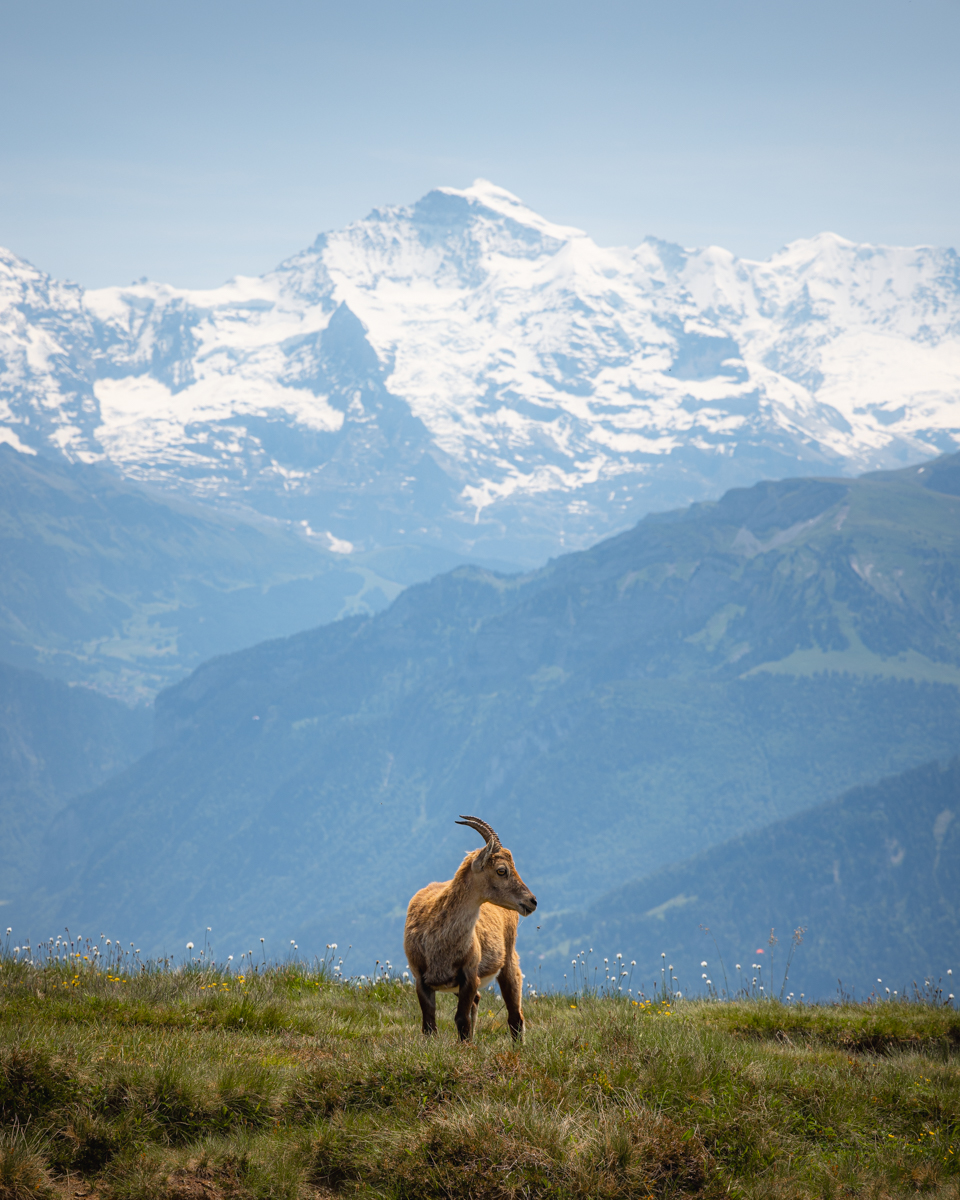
point(487, 832)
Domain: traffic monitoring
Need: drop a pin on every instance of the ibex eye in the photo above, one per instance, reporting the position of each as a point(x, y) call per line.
point(501, 870)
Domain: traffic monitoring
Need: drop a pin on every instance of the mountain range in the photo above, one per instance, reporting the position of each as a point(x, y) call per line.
point(696, 678)
point(309, 513)
point(463, 373)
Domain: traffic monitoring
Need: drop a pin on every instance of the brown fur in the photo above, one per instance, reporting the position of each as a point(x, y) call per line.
point(462, 934)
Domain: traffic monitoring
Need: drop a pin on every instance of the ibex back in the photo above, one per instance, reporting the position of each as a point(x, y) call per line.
point(462, 934)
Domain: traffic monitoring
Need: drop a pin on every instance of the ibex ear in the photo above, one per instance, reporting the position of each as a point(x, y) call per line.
point(484, 856)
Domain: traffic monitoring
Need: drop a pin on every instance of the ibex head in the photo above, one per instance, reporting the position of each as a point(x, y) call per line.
point(494, 869)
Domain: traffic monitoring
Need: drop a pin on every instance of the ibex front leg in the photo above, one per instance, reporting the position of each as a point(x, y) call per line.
point(469, 983)
point(428, 1007)
point(511, 988)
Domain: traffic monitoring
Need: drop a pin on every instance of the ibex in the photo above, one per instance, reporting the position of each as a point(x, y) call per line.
point(461, 934)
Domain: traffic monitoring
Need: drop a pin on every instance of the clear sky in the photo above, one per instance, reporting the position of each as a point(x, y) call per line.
point(193, 141)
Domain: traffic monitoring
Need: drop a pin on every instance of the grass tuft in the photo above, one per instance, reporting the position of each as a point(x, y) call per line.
point(23, 1174)
point(32, 1083)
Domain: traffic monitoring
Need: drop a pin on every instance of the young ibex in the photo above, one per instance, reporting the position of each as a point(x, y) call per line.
point(461, 934)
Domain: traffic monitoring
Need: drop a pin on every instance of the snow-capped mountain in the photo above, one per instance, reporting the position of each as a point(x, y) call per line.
point(463, 372)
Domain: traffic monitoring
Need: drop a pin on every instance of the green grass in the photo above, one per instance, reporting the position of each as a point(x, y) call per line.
point(286, 1083)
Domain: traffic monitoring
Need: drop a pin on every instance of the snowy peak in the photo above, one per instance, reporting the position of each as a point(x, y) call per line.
point(505, 204)
point(47, 349)
point(903, 288)
point(465, 372)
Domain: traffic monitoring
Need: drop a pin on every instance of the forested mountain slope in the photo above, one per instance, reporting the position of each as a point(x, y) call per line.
point(707, 672)
point(55, 742)
point(874, 876)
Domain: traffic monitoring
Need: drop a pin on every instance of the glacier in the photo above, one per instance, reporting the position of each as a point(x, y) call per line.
point(463, 373)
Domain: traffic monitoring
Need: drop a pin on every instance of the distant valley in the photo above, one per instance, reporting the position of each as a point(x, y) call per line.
point(126, 589)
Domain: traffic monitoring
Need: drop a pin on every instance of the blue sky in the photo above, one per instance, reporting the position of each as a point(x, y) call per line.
point(192, 141)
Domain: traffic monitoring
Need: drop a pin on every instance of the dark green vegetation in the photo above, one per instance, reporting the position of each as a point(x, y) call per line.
point(286, 1084)
point(127, 589)
point(55, 742)
point(874, 876)
point(702, 675)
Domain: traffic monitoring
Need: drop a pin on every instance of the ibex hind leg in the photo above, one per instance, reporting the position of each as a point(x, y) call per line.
point(428, 1007)
point(511, 988)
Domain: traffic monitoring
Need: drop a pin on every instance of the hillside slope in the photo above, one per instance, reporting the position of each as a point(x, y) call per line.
point(874, 876)
point(462, 372)
point(55, 742)
point(710, 671)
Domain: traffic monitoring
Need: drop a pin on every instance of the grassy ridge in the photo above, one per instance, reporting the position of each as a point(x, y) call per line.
point(287, 1083)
